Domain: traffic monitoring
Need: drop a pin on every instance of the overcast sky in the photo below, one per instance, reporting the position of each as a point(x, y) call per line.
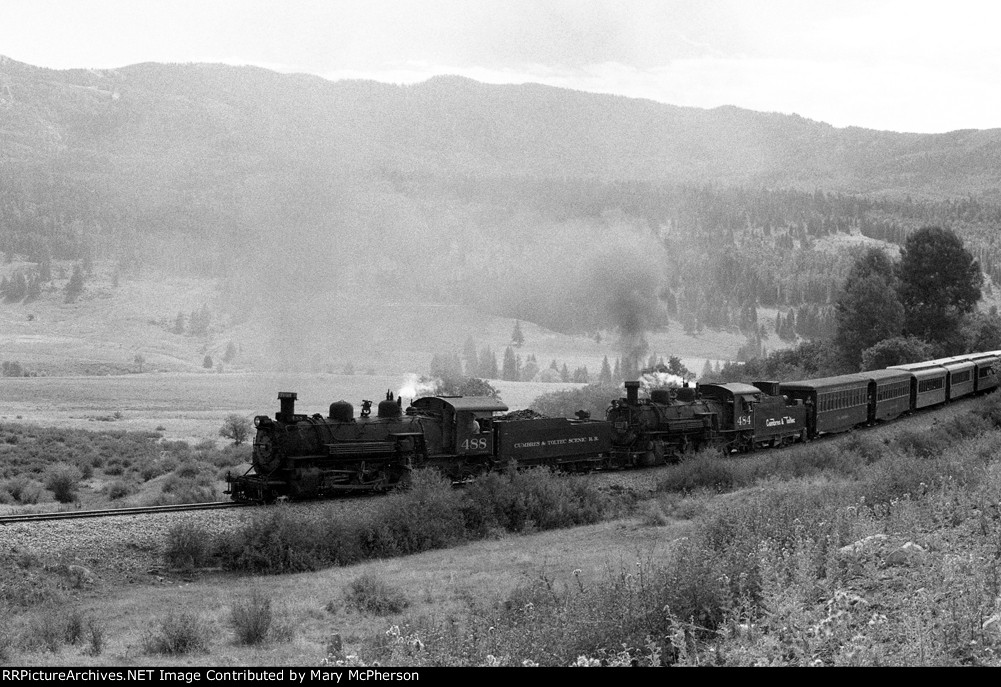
point(904, 65)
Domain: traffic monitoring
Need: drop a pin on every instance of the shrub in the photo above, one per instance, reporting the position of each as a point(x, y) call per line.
point(180, 633)
point(869, 449)
point(74, 626)
point(427, 516)
point(369, 594)
point(47, 631)
point(177, 489)
point(118, 489)
point(189, 546)
point(156, 467)
point(708, 470)
point(62, 480)
point(95, 630)
point(279, 540)
point(251, 618)
point(921, 443)
point(530, 499)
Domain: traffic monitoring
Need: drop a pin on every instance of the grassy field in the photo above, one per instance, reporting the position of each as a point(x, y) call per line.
point(192, 407)
point(117, 319)
point(857, 551)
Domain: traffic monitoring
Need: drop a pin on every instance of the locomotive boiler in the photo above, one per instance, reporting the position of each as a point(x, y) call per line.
point(661, 428)
point(300, 456)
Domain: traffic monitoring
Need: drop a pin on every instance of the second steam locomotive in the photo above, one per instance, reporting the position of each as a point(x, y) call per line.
point(305, 456)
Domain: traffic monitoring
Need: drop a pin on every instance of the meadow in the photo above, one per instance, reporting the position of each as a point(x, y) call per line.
point(862, 550)
point(191, 407)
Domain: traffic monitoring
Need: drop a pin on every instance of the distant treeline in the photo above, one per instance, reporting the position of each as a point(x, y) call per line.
point(723, 252)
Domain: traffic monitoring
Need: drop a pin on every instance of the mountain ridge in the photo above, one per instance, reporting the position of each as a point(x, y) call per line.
point(453, 124)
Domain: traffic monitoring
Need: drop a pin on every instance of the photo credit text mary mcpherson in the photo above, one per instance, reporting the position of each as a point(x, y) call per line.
point(285, 675)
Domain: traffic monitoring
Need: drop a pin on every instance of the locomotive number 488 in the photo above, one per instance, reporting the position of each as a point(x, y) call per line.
point(474, 444)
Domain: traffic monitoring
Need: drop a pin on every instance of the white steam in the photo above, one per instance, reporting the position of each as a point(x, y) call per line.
point(659, 380)
point(414, 385)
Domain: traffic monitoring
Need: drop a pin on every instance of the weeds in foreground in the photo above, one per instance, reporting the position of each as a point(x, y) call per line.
point(369, 594)
point(251, 618)
point(95, 631)
point(430, 515)
point(878, 555)
point(178, 634)
point(188, 546)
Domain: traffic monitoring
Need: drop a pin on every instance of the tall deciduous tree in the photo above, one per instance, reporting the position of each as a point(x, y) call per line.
point(939, 283)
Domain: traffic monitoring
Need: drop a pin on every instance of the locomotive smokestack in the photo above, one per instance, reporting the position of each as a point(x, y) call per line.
point(287, 399)
point(632, 393)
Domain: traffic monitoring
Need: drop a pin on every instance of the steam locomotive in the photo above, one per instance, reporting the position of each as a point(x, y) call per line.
point(299, 456)
point(307, 456)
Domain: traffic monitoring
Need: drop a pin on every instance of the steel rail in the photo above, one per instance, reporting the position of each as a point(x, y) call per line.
point(108, 512)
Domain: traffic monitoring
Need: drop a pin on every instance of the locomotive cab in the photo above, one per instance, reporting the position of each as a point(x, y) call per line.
point(466, 422)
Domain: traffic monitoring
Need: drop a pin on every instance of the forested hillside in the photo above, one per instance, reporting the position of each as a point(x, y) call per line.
point(576, 211)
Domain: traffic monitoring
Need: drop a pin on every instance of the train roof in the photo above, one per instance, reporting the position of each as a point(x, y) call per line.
point(825, 382)
point(914, 367)
point(882, 375)
point(470, 403)
point(734, 388)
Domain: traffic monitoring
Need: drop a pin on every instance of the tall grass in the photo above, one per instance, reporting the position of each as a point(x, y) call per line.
point(431, 514)
point(865, 553)
point(177, 634)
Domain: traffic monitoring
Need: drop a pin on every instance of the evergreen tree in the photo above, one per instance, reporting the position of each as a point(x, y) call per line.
point(509, 372)
point(445, 366)
point(517, 338)
point(487, 367)
point(605, 376)
point(74, 287)
point(34, 289)
point(469, 357)
point(198, 323)
point(939, 283)
point(179, 323)
point(530, 370)
point(867, 309)
point(564, 373)
point(18, 287)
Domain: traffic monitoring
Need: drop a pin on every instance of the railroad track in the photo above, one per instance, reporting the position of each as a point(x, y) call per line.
point(108, 512)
